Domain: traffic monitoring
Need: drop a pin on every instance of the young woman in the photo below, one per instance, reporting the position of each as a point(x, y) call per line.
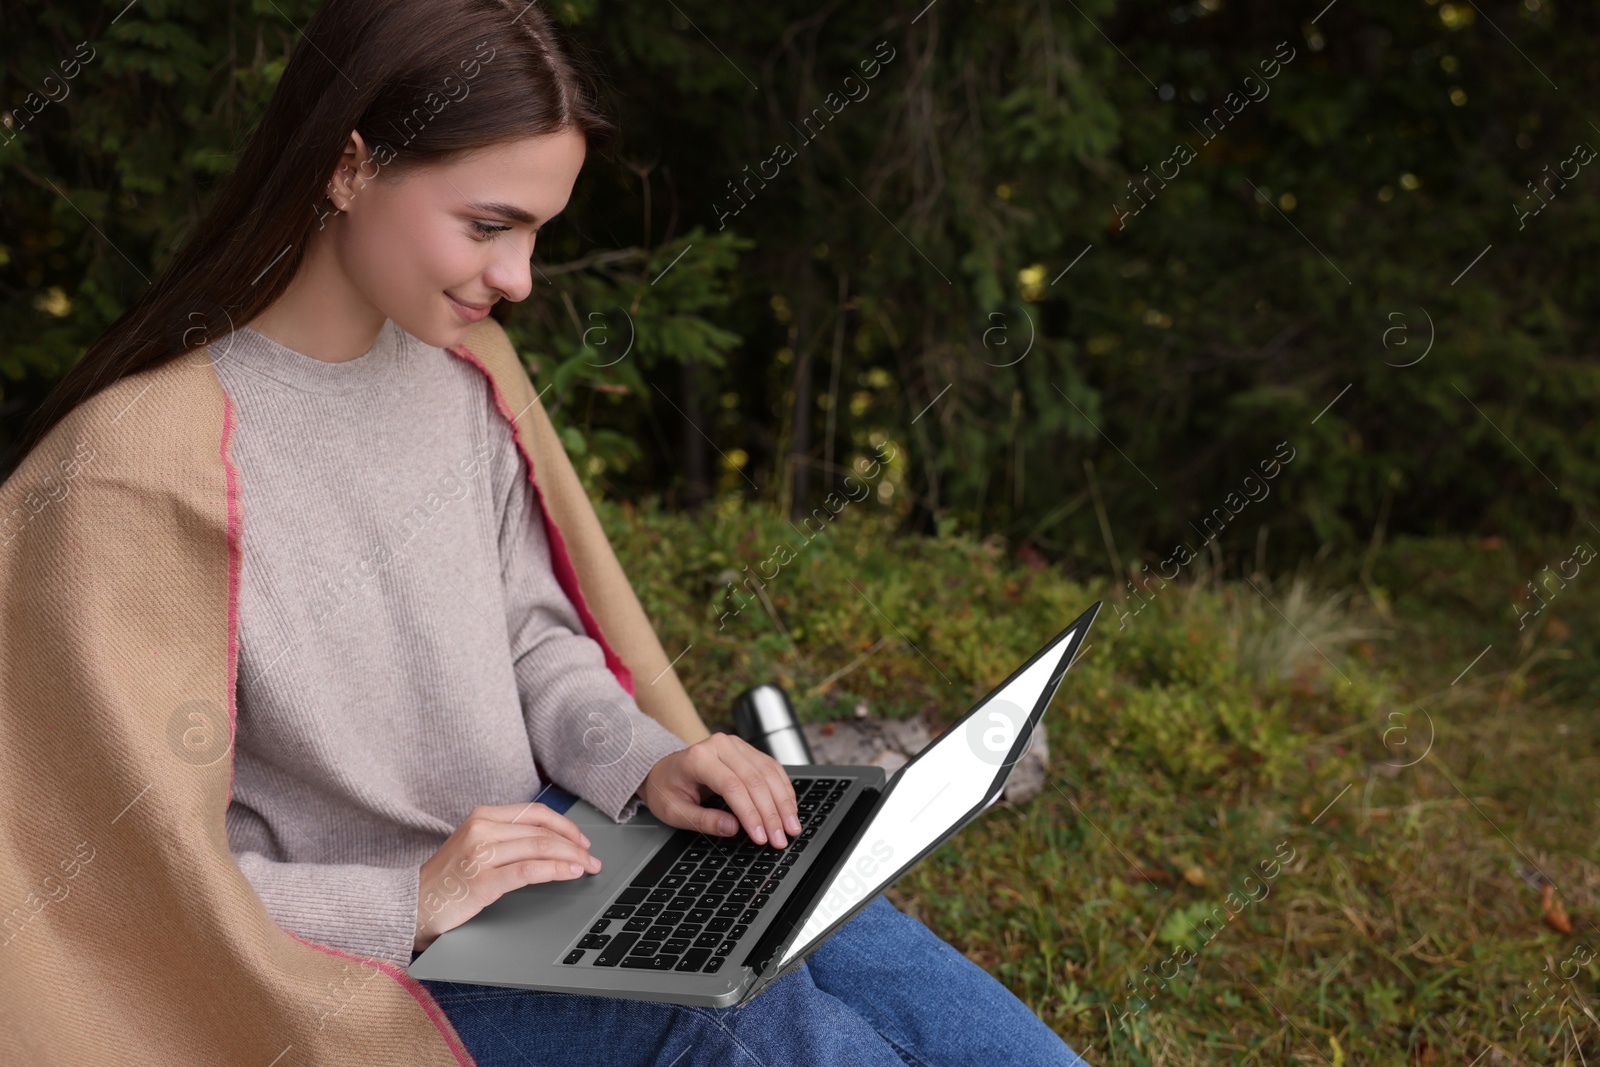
point(406, 649)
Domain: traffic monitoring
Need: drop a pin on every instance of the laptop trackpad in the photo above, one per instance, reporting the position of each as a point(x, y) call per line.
point(529, 927)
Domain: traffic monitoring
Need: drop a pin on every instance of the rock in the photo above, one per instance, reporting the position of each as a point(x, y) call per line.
point(890, 744)
point(1028, 776)
point(850, 741)
point(908, 735)
point(891, 761)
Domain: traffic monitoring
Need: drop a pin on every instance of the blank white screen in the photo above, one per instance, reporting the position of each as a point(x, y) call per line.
point(948, 778)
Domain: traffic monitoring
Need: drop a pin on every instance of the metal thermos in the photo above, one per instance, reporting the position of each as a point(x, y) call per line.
point(764, 717)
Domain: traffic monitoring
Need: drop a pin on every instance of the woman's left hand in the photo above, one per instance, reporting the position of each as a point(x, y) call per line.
point(756, 787)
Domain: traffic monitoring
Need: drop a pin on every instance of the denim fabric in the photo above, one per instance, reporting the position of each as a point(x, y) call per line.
point(885, 991)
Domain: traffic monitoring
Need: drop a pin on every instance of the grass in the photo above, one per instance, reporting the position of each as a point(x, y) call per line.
point(1397, 799)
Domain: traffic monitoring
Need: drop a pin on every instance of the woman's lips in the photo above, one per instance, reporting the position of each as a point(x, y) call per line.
point(467, 311)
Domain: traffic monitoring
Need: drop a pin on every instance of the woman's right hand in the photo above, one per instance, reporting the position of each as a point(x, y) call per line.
point(496, 849)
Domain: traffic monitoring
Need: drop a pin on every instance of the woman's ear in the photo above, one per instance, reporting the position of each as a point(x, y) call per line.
point(340, 190)
point(351, 173)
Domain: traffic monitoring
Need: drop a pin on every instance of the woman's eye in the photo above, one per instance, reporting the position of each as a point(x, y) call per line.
point(488, 229)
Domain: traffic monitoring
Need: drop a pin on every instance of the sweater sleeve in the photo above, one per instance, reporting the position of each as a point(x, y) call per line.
point(359, 908)
point(367, 910)
point(586, 730)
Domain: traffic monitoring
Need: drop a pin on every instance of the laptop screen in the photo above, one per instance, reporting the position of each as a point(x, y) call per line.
point(962, 768)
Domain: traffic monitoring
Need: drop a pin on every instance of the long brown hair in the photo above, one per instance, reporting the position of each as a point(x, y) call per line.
point(422, 81)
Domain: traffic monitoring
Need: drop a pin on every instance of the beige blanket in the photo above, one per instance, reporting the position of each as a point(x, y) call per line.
point(127, 933)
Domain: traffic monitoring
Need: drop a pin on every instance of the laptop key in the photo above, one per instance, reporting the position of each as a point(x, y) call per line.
point(647, 948)
point(737, 931)
point(719, 925)
point(725, 949)
point(618, 911)
point(689, 930)
point(683, 867)
point(709, 939)
point(600, 926)
point(692, 959)
point(698, 915)
point(661, 895)
point(711, 900)
point(671, 881)
point(574, 956)
point(659, 932)
point(648, 908)
point(788, 861)
point(695, 853)
point(612, 954)
point(760, 899)
point(631, 895)
point(593, 941)
point(713, 965)
point(730, 910)
point(676, 945)
point(671, 918)
point(634, 926)
point(650, 963)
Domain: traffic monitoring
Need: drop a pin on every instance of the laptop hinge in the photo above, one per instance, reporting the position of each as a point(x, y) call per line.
point(817, 876)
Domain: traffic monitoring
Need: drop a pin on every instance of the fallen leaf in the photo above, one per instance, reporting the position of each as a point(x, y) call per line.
point(1194, 876)
point(1147, 874)
point(1555, 916)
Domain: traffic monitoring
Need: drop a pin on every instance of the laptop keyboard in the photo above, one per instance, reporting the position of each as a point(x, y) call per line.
point(687, 909)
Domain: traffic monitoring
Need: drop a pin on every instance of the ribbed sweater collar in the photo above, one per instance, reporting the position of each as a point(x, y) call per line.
point(259, 354)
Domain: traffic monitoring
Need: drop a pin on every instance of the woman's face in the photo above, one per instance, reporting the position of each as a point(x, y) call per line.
point(434, 247)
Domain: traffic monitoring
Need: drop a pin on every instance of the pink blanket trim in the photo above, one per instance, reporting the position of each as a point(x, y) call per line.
point(413, 987)
point(560, 560)
point(235, 561)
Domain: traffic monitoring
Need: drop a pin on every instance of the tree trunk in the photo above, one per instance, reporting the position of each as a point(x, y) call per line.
point(800, 413)
point(696, 476)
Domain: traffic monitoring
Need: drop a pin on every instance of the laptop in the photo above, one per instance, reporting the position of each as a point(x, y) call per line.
point(682, 917)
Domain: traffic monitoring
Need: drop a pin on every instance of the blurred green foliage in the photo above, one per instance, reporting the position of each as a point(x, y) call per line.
point(893, 274)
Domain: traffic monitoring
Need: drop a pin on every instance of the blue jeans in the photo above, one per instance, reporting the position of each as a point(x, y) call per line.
point(885, 991)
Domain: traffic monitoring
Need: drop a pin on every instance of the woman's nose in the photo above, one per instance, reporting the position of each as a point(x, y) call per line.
point(512, 275)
